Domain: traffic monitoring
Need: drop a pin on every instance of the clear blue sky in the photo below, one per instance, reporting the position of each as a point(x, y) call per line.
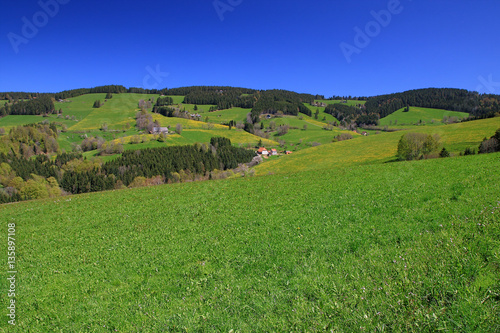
point(294, 45)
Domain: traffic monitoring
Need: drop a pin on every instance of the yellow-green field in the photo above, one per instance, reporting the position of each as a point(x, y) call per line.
point(186, 123)
point(379, 148)
point(190, 136)
point(117, 112)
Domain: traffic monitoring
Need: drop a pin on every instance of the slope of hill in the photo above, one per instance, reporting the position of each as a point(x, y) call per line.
point(400, 246)
point(420, 116)
point(379, 148)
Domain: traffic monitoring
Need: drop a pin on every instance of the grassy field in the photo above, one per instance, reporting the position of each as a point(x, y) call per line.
point(177, 99)
point(12, 121)
point(349, 102)
point(388, 247)
point(322, 115)
point(117, 112)
point(190, 136)
point(80, 106)
point(380, 148)
point(418, 115)
point(225, 116)
point(186, 123)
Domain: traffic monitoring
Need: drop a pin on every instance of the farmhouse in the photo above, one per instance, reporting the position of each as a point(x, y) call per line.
point(274, 152)
point(158, 130)
point(262, 151)
point(288, 152)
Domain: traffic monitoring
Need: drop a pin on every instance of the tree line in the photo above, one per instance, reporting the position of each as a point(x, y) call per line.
point(348, 115)
point(36, 106)
point(40, 177)
point(478, 105)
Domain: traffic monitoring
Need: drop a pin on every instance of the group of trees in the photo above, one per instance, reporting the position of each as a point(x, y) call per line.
point(144, 121)
point(36, 106)
point(288, 102)
point(414, 146)
point(162, 101)
point(479, 106)
point(109, 89)
point(348, 115)
point(30, 140)
point(195, 159)
point(490, 145)
point(28, 178)
point(223, 97)
point(24, 179)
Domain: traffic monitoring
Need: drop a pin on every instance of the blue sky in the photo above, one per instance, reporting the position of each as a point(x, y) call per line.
point(294, 45)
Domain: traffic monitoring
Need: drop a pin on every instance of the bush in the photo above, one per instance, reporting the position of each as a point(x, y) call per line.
point(490, 145)
point(469, 151)
point(343, 137)
point(97, 104)
point(283, 129)
point(413, 146)
point(444, 153)
point(178, 129)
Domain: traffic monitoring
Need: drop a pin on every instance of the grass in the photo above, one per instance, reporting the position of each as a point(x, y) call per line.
point(388, 247)
point(322, 115)
point(117, 112)
point(186, 123)
point(236, 136)
point(225, 116)
point(417, 114)
point(177, 99)
point(380, 148)
point(9, 122)
point(350, 102)
point(301, 139)
point(80, 106)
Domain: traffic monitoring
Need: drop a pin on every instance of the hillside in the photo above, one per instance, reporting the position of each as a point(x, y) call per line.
point(320, 250)
point(420, 116)
point(333, 237)
point(379, 148)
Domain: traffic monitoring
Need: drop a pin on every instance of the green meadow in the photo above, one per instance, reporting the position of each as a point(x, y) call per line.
point(419, 116)
point(12, 121)
point(409, 246)
point(117, 112)
point(225, 116)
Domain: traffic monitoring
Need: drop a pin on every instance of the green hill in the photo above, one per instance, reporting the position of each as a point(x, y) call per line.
point(420, 116)
point(332, 238)
point(379, 148)
point(406, 246)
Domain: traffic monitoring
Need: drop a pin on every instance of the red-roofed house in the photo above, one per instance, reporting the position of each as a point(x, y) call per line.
point(262, 151)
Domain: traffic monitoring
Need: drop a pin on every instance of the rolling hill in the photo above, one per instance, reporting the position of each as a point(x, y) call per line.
point(318, 250)
point(337, 236)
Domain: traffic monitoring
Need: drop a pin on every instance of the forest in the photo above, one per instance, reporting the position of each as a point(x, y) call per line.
point(479, 106)
point(24, 178)
point(348, 115)
point(36, 106)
